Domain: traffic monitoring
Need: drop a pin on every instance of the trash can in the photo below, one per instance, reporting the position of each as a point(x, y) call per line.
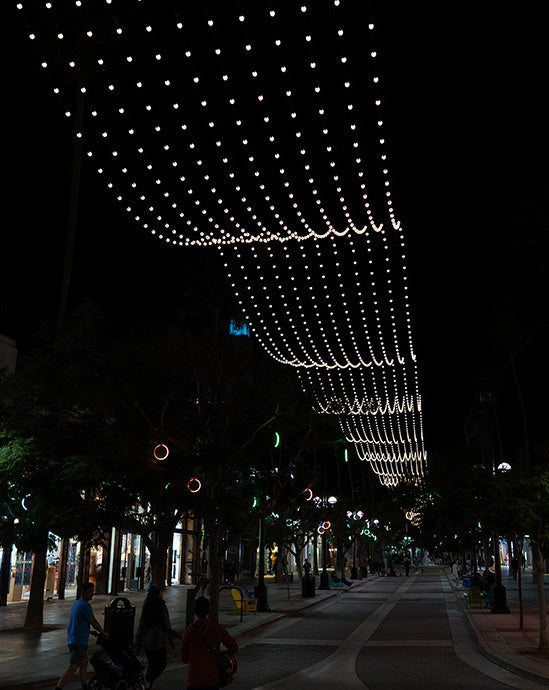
point(308, 586)
point(119, 621)
point(466, 581)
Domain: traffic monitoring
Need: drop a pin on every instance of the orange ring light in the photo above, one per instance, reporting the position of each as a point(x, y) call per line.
point(161, 451)
point(326, 524)
point(194, 485)
point(308, 494)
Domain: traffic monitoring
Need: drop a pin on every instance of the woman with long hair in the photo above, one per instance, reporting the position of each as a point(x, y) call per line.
point(154, 633)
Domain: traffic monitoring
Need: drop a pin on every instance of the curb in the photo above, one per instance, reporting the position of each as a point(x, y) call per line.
point(501, 661)
point(284, 615)
point(491, 656)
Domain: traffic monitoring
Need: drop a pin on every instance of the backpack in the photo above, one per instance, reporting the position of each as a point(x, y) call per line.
point(227, 663)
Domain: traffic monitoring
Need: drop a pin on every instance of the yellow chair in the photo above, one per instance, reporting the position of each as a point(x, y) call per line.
point(249, 605)
point(474, 599)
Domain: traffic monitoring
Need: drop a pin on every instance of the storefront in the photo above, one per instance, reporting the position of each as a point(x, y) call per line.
point(175, 566)
point(187, 547)
point(132, 556)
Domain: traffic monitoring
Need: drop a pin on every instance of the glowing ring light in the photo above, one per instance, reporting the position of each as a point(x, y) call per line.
point(161, 451)
point(194, 485)
point(320, 529)
point(308, 494)
point(326, 524)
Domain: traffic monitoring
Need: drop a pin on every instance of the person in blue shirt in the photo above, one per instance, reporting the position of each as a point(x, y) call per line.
point(78, 634)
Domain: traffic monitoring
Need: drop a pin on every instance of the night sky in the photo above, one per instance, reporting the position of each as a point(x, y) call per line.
point(467, 117)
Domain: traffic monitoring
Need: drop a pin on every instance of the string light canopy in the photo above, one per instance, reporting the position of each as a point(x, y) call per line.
point(259, 130)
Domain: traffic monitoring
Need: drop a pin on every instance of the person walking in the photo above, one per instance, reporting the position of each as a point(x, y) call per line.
point(154, 632)
point(307, 568)
point(198, 643)
point(78, 635)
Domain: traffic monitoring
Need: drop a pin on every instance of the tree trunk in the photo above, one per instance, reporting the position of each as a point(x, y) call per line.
point(517, 553)
point(298, 553)
point(286, 570)
point(115, 563)
point(5, 573)
point(158, 549)
point(536, 566)
point(83, 567)
point(215, 562)
point(34, 620)
point(283, 563)
point(543, 644)
point(62, 570)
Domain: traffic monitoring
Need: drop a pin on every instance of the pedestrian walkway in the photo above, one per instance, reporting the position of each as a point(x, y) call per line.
point(500, 636)
point(30, 660)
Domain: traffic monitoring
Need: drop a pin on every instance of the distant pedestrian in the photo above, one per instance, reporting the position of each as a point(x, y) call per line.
point(476, 580)
point(203, 669)
point(514, 567)
point(488, 582)
point(307, 568)
point(154, 633)
point(233, 569)
point(78, 635)
point(407, 564)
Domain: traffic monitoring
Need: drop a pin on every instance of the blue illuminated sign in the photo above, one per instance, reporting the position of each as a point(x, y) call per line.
point(239, 328)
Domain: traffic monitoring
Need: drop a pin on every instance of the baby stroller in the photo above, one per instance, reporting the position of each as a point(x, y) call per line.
point(116, 667)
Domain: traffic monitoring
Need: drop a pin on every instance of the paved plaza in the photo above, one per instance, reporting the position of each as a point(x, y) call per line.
point(311, 638)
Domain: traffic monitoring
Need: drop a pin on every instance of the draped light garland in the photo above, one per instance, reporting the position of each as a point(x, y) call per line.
point(258, 130)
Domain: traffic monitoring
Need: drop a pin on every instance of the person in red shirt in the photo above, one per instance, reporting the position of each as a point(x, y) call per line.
point(203, 669)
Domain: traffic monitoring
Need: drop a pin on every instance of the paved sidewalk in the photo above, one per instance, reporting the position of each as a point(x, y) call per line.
point(29, 661)
point(32, 660)
point(499, 635)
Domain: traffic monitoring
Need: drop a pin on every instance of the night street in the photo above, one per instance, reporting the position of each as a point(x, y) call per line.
point(274, 288)
point(379, 636)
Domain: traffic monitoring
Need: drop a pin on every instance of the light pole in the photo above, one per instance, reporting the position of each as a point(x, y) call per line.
point(489, 436)
point(499, 604)
point(353, 517)
point(322, 529)
point(324, 582)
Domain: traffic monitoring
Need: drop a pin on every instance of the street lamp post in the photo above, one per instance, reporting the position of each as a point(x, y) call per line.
point(500, 593)
point(260, 590)
point(324, 581)
point(499, 604)
point(353, 517)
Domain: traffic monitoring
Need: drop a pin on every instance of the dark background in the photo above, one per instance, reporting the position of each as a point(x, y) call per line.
point(467, 120)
